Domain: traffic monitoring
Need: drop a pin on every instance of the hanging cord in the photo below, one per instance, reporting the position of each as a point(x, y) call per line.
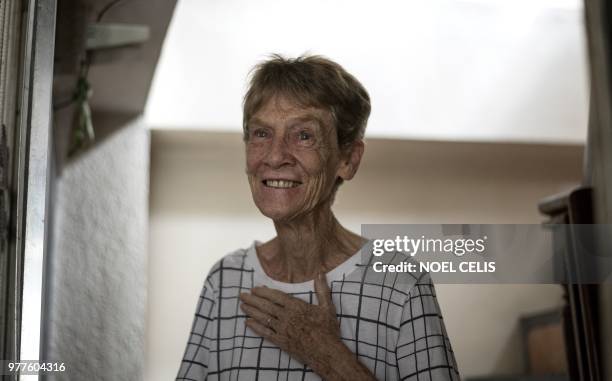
point(82, 130)
point(67, 102)
point(106, 8)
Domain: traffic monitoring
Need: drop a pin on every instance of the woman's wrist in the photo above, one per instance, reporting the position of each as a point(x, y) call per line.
point(339, 363)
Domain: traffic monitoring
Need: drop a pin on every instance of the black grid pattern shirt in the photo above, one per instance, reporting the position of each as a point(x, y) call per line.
point(391, 321)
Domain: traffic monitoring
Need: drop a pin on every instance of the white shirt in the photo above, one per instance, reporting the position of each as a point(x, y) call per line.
point(391, 321)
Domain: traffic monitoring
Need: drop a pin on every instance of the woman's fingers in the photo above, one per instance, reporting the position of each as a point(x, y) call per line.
point(323, 292)
point(272, 295)
point(256, 314)
point(260, 329)
point(261, 303)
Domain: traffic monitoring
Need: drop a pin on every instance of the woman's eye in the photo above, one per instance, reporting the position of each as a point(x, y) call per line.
point(260, 133)
point(304, 135)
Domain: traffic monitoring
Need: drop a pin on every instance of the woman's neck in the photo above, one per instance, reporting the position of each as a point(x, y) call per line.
point(307, 246)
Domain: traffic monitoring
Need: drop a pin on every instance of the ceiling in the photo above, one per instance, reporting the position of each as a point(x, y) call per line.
point(463, 70)
point(120, 77)
point(476, 70)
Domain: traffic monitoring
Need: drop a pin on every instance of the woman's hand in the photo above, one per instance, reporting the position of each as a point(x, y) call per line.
point(295, 326)
point(308, 332)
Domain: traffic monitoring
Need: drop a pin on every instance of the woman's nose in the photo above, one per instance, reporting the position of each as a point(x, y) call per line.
point(279, 153)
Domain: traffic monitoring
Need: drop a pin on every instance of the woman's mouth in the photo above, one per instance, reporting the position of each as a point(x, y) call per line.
point(281, 183)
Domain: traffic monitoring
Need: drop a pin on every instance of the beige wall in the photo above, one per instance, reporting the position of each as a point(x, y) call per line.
point(200, 209)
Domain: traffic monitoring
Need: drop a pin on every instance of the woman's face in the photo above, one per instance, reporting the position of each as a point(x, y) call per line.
point(292, 159)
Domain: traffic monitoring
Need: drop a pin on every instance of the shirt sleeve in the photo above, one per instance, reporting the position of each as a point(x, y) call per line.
point(423, 349)
point(194, 366)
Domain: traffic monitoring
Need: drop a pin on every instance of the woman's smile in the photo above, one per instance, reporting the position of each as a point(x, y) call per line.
point(281, 184)
point(290, 165)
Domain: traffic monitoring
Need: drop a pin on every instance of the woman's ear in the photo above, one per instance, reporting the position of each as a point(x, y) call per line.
point(351, 158)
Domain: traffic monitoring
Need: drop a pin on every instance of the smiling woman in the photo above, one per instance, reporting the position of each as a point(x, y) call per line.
point(291, 165)
point(305, 305)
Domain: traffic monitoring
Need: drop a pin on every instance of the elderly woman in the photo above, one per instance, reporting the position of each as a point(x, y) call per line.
point(304, 305)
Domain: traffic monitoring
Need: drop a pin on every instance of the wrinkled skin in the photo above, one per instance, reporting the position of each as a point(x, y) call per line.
point(310, 333)
point(294, 325)
point(289, 142)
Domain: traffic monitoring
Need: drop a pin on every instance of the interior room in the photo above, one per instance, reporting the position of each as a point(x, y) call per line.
point(483, 112)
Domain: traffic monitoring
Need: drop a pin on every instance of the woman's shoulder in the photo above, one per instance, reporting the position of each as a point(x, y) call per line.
point(390, 271)
point(229, 267)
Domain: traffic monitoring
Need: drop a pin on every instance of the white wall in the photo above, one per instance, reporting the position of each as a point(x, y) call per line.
point(97, 261)
point(475, 70)
point(201, 209)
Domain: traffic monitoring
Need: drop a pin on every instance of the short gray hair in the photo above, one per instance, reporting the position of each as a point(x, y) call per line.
point(311, 81)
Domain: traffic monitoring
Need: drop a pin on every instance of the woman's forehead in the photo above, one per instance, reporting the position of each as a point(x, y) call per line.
point(281, 107)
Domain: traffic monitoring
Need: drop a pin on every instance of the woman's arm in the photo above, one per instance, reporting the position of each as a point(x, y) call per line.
point(308, 332)
point(423, 347)
point(194, 365)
